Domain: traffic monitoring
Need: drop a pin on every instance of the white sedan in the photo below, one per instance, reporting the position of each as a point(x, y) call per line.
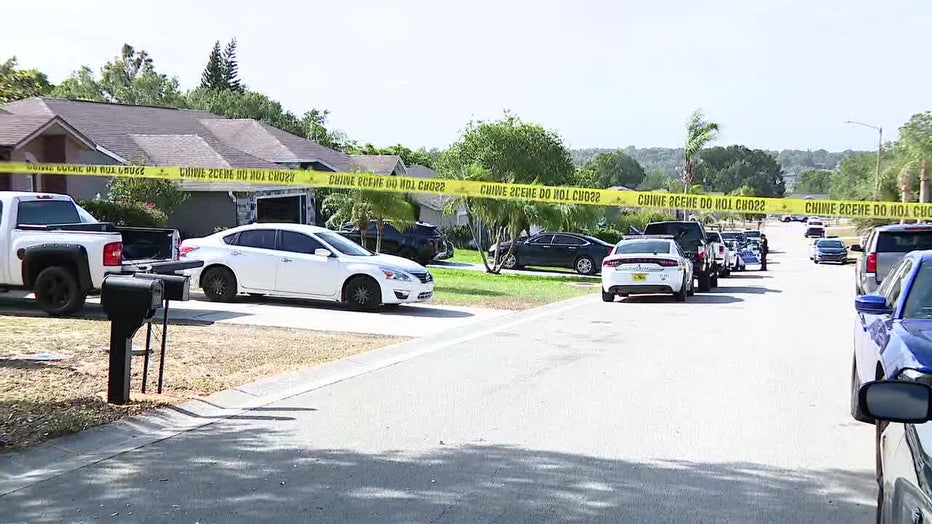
point(647, 264)
point(300, 261)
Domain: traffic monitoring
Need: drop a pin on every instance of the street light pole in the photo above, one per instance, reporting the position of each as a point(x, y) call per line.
point(879, 130)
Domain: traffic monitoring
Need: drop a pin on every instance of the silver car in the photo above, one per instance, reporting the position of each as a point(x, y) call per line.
point(884, 248)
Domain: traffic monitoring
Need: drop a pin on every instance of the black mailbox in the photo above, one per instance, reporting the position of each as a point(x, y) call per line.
point(128, 302)
point(174, 287)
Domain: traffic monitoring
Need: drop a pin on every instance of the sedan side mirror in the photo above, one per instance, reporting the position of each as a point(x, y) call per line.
point(320, 252)
point(896, 401)
point(857, 247)
point(871, 305)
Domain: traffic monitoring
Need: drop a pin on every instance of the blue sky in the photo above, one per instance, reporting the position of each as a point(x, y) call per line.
point(775, 74)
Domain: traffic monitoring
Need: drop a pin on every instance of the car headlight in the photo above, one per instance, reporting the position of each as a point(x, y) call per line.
point(395, 274)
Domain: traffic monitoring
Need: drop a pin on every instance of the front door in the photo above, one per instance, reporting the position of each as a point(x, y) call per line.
point(302, 272)
point(254, 260)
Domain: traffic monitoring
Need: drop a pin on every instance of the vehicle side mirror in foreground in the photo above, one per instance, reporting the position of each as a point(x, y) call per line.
point(871, 305)
point(896, 401)
point(320, 252)
point(857, 247)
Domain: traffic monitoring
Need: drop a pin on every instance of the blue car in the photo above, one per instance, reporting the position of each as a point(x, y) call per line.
point(893, 341)
point(830, 250)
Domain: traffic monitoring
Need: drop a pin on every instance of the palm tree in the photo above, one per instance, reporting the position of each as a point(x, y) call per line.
point(699, 132)
point(349, 207)
point(385, 205)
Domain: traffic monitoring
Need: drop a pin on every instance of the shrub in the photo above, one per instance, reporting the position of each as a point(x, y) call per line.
point(459, 236)
point(135, 214)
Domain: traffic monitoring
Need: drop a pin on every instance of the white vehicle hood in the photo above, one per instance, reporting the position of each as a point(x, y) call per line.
point(390, 261)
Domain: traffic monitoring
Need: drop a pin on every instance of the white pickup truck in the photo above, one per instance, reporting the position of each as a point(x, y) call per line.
point(51, 246)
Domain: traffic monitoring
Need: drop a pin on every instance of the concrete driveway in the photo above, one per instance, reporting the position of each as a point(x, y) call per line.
point(416, 320)
point(732, 407)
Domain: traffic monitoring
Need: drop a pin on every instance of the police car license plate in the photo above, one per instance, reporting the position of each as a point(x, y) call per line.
point(639, 277)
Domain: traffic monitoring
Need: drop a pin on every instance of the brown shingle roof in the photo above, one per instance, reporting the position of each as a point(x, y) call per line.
point(180, 150)
point(16, 128)
point(113, 125)
point(419, 171)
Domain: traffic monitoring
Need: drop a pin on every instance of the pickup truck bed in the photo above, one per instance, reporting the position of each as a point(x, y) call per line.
point(62, 262)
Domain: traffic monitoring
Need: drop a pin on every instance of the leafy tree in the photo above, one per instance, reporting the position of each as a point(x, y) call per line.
point(348, 206)
point(724, 169)
point(613, 169)
point(251, 104)
point(130, 78)
point(511, 150)
point(164, 195)
point(212, 77)
point(855, 178)
point(388, 206)
point(231, 67)
point(506, 150)
point(16, 84)
point(420, 157)
point(655, 180)
point(359, 207)
point(815, 181)
point(699, 132)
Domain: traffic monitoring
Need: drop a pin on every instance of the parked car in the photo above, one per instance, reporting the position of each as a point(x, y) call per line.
point(648, 264)
point(829, 250)
point(737, 236)
point(884, 247)
point(814, 231)
point(735, 262)
point(300, 261)
point(568, 250)
point(752, 234)
point(792, 218)
point(891, 341)
point(692, 239)
point(815, 221)
point(902, 409)
point(720, 253)
point(53, 247)
point(421, 242)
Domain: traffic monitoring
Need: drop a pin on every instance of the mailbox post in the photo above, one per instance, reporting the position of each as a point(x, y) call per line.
point(128, 302)
point(174, 287)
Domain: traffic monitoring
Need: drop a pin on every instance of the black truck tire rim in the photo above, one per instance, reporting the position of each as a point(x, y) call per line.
point(56, 291)
point(584, 265)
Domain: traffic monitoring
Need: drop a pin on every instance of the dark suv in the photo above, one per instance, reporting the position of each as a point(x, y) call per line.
point(421, 242)
point(692, 238)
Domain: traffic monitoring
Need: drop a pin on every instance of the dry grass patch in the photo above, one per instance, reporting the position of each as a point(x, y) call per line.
point(42, 400)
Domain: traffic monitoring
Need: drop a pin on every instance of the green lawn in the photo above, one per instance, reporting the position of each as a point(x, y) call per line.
point(506, 291)
point(467, 256)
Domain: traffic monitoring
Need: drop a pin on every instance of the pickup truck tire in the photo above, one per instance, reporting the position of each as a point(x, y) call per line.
point(219, 284)
point(705, 282)
point(58, 292)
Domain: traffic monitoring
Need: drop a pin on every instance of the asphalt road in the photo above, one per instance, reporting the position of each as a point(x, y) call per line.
point(729, 408)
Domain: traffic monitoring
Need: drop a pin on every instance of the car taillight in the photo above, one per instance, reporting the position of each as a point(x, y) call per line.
point(872, 263)
point(610, 263)
point(701, 255)
point(185, 250)
point(667, 263)
point(113, 254)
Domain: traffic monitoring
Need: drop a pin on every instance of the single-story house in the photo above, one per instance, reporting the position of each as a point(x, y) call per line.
point(432, 206)
point(45, 129)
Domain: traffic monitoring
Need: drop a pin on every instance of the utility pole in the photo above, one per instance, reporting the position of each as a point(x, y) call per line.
point(879, 130)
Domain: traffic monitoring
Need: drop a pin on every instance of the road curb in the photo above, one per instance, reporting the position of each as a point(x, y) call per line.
point(19, 470)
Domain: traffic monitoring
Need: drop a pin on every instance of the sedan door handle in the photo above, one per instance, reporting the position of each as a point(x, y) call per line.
point(287, 260)
point(236, 253)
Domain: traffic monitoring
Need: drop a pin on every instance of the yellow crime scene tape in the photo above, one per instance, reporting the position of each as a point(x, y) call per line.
point(496, 190)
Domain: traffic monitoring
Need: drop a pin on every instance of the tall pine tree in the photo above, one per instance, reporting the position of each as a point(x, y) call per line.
point(213, 76)
point(231, 68)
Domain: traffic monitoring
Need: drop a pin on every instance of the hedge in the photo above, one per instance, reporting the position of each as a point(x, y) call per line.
point(134, 214)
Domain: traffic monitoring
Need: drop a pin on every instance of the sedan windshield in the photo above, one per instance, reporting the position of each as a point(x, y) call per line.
point(642, 246)
point(344, 245)
point(831, 244)
point(919, 302)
